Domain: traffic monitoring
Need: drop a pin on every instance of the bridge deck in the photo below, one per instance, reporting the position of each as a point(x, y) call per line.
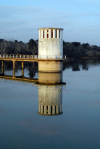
point(29, 58)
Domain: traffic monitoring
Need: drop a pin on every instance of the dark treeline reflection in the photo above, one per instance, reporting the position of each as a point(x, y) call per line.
point(77, 64)
point(32, 67)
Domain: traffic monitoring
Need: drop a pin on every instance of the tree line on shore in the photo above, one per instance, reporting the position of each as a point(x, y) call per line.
point(19, 47)
point(71, 50)
point(78, 50)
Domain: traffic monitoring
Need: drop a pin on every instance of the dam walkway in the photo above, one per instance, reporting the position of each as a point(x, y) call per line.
point(30, 58)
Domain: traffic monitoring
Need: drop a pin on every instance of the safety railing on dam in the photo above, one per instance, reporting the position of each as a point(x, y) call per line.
point(18, 56)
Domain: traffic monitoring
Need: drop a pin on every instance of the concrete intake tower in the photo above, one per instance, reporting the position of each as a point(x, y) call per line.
point(50, 49)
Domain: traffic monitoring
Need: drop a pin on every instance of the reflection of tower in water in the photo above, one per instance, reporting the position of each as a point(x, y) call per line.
point(50, 93)
point(50, 100)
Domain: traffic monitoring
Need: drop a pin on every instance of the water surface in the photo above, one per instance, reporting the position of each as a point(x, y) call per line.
point(78, 126)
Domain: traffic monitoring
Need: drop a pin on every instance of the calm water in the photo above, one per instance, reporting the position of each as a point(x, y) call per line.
point(78, 127)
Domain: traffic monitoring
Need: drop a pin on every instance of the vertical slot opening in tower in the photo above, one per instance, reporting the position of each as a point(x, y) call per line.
point(55, 33)
point(47, 33)
point(52, 33)
point(43, 33)
point(59, 33)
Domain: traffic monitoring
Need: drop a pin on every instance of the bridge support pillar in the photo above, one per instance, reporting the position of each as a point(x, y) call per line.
point(22, 68)
point(2, 67)
point(13, 68)
point(2, 70)
point(22, 72)
point(22, 65)
point(13, 73)
point(2, 63)
point(13, 64)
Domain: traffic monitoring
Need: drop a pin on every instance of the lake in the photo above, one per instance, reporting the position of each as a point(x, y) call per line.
point(75, 123)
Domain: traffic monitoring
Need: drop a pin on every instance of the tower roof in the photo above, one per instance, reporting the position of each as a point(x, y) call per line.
point(50, 28)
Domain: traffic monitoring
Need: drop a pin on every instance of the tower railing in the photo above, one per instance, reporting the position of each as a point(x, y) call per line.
point(49, 57)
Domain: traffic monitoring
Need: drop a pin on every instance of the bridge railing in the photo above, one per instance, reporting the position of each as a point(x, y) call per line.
point(18, 56)
point(32, 56)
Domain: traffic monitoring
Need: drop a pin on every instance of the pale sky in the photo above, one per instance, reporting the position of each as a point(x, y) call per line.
point(80, 19)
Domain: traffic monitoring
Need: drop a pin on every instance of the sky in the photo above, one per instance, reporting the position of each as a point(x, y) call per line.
point(80, 19)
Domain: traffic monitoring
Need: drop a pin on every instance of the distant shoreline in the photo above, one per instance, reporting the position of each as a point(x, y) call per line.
point(73, 50)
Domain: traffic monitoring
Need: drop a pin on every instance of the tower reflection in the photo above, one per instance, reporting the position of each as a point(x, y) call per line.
point(50, 93)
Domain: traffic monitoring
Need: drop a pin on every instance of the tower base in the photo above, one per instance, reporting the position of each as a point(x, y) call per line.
point(50, 66)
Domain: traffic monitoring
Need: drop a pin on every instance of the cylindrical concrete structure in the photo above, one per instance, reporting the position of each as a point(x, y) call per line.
point(50, 66)
point(50, 45)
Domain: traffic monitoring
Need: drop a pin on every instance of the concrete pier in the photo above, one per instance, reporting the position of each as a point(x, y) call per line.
point(22, 64)
point(13, 69)
point(2, 67)
point(2, 63)
point(2, 70)
point(13, 64)
point(50, 66)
